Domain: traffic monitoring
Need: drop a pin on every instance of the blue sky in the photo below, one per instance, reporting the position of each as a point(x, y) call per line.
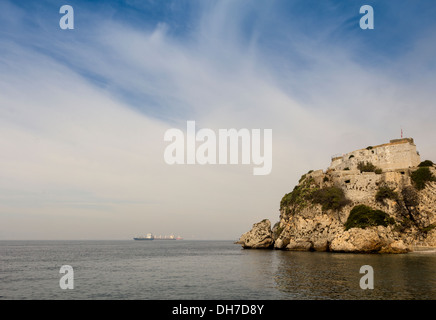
point(279, 32)
point(83, 111)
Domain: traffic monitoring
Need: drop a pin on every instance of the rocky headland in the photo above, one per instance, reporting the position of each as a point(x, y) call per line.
point(381, 199)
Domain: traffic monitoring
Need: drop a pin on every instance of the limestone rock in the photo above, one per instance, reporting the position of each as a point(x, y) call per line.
point(259, 237)
point(299, 245)
point(369, 240)
point(397, 246)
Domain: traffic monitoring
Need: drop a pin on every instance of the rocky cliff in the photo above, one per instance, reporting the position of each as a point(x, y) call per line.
point(360, 209)
point(259, 237)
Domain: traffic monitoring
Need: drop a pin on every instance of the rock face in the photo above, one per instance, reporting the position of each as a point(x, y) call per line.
point(359, 209)
point(259, 237)
point(373, 239)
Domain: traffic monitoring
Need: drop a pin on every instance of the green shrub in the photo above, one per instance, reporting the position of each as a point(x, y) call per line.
point(330, 198)
point(421, 176)
point(369, 147)
point(352, 156)
point(384, 192)
point(347, 168)
point(366, 167)
point(426, 163)
point(288, 198)
point(362, 216)
point(299, 195)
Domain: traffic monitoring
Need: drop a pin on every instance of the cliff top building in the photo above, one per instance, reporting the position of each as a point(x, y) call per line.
point(395, 155)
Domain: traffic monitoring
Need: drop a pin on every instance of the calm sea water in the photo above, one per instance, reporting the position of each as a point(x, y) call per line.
point(205, 270)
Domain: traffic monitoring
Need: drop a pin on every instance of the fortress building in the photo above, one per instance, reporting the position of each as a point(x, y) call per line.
point(395, 155)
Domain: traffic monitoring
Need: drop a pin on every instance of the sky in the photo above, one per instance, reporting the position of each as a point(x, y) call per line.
point(83, 111)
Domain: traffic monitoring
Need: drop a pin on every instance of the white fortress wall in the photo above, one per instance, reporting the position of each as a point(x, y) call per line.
point(398, 154)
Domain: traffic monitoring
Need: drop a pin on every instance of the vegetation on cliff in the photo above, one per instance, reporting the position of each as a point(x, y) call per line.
point(308, 192)
point(368, 167)
point(385, 192)
point(426, 163)
point(300, 196)
point(421, 176)
point(362, 216)
point(331, 198)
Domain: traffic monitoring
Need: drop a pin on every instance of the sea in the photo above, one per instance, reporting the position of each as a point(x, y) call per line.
point(204, 270)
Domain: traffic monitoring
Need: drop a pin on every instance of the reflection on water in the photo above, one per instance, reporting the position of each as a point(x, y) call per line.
point(321, 275)
point(325, 275)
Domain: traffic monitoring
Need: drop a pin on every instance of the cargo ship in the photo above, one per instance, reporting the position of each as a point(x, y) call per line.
point(171, 237)
point(149, 236)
